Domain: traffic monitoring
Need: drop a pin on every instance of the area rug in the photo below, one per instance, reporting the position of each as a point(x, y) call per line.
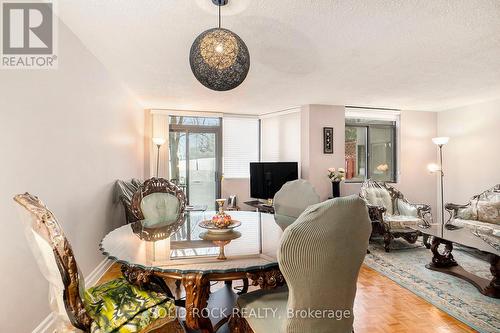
point(406, 266)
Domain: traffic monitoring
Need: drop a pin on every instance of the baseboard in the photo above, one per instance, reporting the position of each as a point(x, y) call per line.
point(48, 324)
point(97, 273)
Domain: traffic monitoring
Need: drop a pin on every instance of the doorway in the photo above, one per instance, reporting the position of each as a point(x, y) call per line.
point(195, 148)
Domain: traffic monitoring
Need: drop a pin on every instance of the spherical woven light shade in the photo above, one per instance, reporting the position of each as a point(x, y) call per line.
point(219, 59)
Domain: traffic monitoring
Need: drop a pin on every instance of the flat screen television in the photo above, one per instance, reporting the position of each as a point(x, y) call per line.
point(266, 178)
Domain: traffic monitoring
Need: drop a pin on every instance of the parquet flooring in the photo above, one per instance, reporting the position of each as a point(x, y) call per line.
point(381, 306)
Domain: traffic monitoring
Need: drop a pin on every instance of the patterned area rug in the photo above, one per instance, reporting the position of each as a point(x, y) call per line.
point(406, 266)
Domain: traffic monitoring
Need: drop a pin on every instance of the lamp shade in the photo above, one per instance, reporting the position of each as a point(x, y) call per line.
point(219, 59)
point(433, 168)
point(442, 140)
point(159, 141)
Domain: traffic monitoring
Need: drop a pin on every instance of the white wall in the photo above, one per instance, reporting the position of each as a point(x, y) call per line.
point(314, 162)
point(66, 135)
point(471, 158)
point(280, 137)
point(239, 187)
point(415, 152)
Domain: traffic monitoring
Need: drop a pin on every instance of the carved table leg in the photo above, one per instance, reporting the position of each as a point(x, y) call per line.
point(444, 263)
point(445, 259)
point(388, 237)
point(144, 279)
point(197, 288)
point(493, 289)
point(411, 237)
point(425, 239)
point(238, 324)
point(267, 279)
point(244, 290)
point(136, 276)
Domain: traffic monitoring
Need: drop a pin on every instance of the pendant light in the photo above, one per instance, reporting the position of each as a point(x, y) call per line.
point(219, 58)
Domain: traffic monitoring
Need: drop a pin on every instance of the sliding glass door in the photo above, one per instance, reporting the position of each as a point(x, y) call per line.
point(195, 157)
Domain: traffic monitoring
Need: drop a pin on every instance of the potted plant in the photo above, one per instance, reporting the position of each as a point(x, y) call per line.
point(336, 176)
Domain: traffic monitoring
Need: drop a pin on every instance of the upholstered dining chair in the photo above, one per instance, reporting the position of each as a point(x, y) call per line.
point(320, 256)
point(291, 200)
point(124, 190)
point(159, 205)
point(115, 306)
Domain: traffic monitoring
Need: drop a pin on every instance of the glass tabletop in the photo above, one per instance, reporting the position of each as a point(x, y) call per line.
point(464, 236)
point(186, 252)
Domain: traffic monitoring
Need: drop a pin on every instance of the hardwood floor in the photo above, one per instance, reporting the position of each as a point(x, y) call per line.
point(381, 306)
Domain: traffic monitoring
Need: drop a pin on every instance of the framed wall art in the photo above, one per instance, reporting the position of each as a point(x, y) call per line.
point(327, 140)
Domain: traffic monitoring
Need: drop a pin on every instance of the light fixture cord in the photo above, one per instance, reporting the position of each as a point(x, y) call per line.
point(219, 15)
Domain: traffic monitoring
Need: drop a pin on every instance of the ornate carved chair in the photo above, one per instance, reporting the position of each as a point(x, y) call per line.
point(159, 206)
point(96, 309)
point(320, 255)
point(392, 215)
point(124, 192)
point(291, 200)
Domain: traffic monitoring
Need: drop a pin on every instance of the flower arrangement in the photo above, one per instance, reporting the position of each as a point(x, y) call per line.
point(221, 219)
point(383, 167)
point(336, 176)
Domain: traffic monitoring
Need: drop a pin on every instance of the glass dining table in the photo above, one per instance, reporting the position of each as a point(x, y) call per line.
point(193, 261)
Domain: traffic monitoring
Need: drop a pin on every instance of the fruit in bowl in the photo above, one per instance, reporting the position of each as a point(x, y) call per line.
point(222, 220)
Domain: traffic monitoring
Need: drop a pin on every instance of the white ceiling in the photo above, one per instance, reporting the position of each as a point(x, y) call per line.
point(411, 54)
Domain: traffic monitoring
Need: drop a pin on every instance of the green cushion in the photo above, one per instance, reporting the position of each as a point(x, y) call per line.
point(159, 209)
point(252, 305)
point(117, 306)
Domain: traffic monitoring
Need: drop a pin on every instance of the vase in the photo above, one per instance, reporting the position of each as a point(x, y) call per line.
point(221, 219)
point(335, 189)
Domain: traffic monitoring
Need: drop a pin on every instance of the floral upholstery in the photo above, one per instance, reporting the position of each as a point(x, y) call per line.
point(485, 210)
point(401, 221)
point(117, 306)
point(481, 216)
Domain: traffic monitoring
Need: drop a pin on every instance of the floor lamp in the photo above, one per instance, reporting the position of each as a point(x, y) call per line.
point(440, 142)
point(158, 142)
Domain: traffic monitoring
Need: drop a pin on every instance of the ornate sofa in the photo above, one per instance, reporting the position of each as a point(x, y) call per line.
point(481, 215)
point(392, 215)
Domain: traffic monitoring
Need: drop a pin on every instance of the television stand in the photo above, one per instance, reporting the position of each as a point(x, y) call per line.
point(260, 206)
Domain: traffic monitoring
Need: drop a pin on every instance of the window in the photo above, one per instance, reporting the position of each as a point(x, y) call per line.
point(195, 157)
point(370, 150)
point(240, 145)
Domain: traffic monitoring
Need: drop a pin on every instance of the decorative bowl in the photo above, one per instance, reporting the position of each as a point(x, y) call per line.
point(211, 227)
